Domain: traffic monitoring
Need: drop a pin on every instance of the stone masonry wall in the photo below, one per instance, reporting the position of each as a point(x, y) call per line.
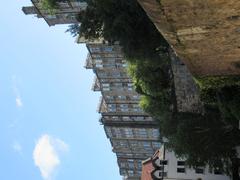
point(204, 33)
point(186, 90)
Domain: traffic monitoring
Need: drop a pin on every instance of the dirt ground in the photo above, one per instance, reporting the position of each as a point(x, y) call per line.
point(204, 33)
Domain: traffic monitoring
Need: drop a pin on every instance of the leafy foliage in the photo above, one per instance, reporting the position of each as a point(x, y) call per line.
point(49, 5)
point(216, 82)
point(224, 93)
point(123, 21)
point(74, 29)
point(204, 139)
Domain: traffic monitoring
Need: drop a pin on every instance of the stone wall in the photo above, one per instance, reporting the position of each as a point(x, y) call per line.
point(204, 33)
point(186, 90)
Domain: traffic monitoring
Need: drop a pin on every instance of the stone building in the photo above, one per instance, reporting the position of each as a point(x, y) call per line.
point(133, 134)
point(65, 13)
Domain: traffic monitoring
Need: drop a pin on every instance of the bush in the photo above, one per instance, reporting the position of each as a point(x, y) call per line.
point(229, 104)
point(223, 92)
point(217, 82)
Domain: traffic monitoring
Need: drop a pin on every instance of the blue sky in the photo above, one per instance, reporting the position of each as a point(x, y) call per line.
point(49, 120)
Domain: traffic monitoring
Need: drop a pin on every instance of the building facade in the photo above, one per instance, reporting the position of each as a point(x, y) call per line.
point(65, 13)
point(132, 133)
point(164, 165)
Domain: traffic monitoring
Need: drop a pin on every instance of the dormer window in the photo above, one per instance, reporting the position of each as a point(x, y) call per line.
point(157, 163)
point(158, 174)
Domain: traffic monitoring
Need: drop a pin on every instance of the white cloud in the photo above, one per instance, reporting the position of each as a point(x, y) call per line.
point(19, 102)
point(17, 147)
point(16, 91)
point(46, 155)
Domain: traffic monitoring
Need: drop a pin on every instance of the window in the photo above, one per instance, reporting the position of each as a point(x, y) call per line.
point(139, 165)
point(114, 118)
point(142, 132)
point(112, 107)
point(99, 66)
point(94, 49)
point(123, 143)
point(139, 173)
point(105, 84)
point(108, 49)
point(130, 86)
point(123, 165)
point(135, 97)
point(109, 97)
point(123, 172)
point(155, 133)
point(122, 97)
point(124, 64)
point(130, 173)
point(163, 174)
point(117, 132)
point(199, 170)
point(181, 163)
point(181, 170)
point(96, 56)
point(98, 63)
point(77, 3)
point(139, 118)
point(108, 132)
point(158, 174)
point(148, 119)
point(72, 17)
point(137, 109)
point(124, 107)
point(102, 74)
point(217, 171)
point(118, 65)
point(131, 165)
point(118, 85)
point(156, 145)
point(108, 65)
point(135, 105)
point(134, 144)
point(126, 118)
point(147, 146)
point(106, 89)
point(128, 132)
point(163, 162)
point(116, 74)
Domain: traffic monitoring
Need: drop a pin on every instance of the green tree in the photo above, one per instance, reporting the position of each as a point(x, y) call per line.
point(203, 139)
point(123, 21)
